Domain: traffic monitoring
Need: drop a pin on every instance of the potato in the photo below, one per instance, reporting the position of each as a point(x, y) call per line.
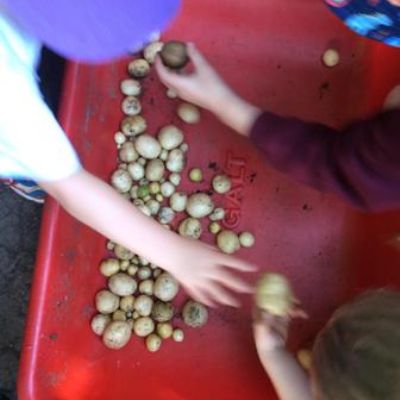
point(133, 125)
point(146, 287)
point(143, 305)
point(131, 106)
point(178, 335)
point(175, 179)
point(106, 302)
point(331, 58)
point(218, 214)
point(178, 201)
point(143, 326)
point(99, 323)
point(122, 284)
point(196, 175)
point(128, 153)
point(167, 189)
point(166, 215)
point(246, 239)
point(228, 242)
point(194, 314)
point(153, 342)
point(155, 170)
point(188, 113)
point(170, 137)
point(164, 330)
point(121, 180)
point(119, 315)
point(136, 171)
point(214, 227)
point(162, 312)
point(119, 138)
point(222, 184)
point(147, 146)
point(191, 228)
point(176, 160)
point(109, 267)
point(144, 273)
point(174, 54)
point(274, 294)
point(199, 205)
point(122, 253)
point(166, 287)
point(130, 87)
point(139, 68)
point(150, 51)
point(117, 334)
point(127, 303)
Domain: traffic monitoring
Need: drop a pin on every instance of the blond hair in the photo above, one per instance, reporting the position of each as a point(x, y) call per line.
point(357, 355)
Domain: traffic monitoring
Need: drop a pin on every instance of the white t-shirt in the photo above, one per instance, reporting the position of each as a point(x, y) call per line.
point(32, 143)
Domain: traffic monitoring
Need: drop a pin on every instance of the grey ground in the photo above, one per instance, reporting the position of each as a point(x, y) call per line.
point(19, 230)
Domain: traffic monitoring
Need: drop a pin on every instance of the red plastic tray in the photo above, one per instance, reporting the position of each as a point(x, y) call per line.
point(270, 52)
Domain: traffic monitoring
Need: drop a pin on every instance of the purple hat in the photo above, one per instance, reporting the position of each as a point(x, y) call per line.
point(92, 30)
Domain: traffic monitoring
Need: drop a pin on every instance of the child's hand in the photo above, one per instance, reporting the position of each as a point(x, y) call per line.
point(271, 332)
point(203, 87)
point(207, 274)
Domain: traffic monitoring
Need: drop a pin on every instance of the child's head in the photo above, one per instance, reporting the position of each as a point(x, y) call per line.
point(90, 30)
point(357, 355)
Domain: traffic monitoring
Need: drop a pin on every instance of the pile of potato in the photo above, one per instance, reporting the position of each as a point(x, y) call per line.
point(139, 297)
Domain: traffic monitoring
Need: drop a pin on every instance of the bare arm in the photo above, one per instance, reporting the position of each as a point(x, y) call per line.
point(289, 379)
point(199, 268)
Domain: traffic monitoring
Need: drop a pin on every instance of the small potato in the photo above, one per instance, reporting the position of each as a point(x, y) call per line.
point(228, 242)
point(331, 58)
point(175, 179)
point(144, 273)
point(127, 303)
point(109, 267)
point(136, 171)
point(99, 323)
point(148, 147)
point(131, 87)
point(119, 138)
point(164, 330)
point(131, 106)
point(176, 160)
point(154, 170)
point(121, 180)
point(246, 239)
point(139, 68)
point(199, 205)
point(155, 187)
point(146, 287)
point(178, 335)
point(194, 314)
point(174, 54)
point(119, 315)
point(166, 287)
point(117, 334)
point(196, 175)
point(143, 326)
point(162, 312)
point(222, 184)
point(153, 342)
point(132, 270)
point(153, 206)
point(218, 214)
point(134, 125)
point(170, 137)
point(122, 253)
point(122, 284)
point(106, 302)
point(191, 228)
point(128, 152)
point(274, 294)
point(214, 227)
point(178, 201)
point(143, 305)
point(167, 189)
point(166, 215)
point(150, 51)
point(188, 113)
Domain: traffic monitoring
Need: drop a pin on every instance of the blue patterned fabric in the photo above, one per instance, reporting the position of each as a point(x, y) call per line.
point(376, 19)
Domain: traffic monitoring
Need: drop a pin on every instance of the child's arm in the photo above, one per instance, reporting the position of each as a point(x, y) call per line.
point(362, 163)
point(198, 267)
point(289, 379)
